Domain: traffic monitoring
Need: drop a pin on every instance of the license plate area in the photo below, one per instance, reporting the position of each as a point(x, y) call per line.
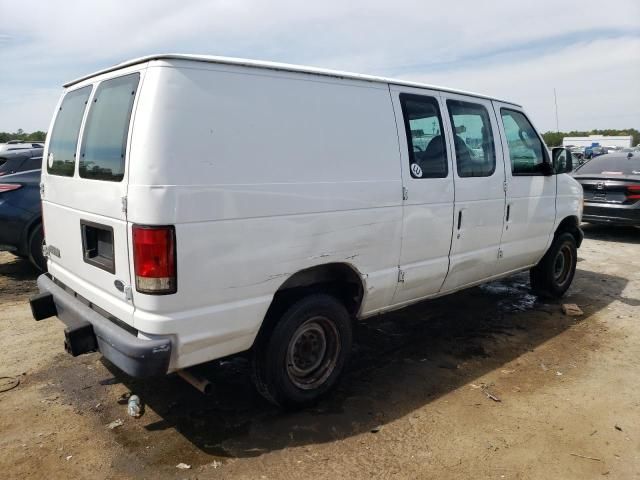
point(97, 245)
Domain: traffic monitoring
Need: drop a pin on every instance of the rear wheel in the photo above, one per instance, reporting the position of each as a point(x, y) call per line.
point(554, 274)
point(305, 353)
point(36, 240)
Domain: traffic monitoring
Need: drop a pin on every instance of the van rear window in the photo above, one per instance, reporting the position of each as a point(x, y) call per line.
point(104, 143)
point(64, 136)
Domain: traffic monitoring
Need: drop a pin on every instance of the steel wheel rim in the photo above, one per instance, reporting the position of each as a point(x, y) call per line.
point(312, 353)
point(562, 264)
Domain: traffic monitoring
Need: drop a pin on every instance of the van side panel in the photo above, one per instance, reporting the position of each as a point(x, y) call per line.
point(264, 174)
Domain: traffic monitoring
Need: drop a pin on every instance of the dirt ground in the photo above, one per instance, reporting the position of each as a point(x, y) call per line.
point(414, 403)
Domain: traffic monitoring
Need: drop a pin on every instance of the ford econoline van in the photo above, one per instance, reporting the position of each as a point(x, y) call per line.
point(199, 207)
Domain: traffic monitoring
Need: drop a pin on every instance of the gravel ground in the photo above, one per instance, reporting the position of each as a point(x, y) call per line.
point(487, 383)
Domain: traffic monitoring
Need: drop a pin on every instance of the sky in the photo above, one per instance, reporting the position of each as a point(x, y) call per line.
point(588, 51)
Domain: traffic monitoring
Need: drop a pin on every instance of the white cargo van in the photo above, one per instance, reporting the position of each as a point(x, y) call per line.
point(197, 207)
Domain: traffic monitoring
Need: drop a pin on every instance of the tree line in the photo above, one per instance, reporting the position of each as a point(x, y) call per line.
point(554, 139)
point(38, 136)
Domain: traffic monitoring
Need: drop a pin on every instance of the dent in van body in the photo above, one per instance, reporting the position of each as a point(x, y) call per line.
point(261, 179)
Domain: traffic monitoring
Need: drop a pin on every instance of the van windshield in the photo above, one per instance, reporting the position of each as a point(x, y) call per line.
point(104, 143)
point(64, 137)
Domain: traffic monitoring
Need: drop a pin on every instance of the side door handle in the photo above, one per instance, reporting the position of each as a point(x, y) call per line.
point(459, 219)
point(508, 212)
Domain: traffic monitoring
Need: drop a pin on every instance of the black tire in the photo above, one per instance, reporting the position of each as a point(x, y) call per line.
point(304, 355)
point(36, 239)
point(553, 275)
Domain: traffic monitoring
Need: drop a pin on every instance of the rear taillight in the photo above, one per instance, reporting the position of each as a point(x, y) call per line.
point(154, 259)
point(633, 192)
point(7, 187)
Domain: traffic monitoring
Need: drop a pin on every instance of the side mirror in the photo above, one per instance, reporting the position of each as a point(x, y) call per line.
point(562, 160)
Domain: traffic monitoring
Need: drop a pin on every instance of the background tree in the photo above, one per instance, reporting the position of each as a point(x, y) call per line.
point(37, 136)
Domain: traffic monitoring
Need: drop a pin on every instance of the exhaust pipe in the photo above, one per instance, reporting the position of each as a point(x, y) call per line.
point(197, 381)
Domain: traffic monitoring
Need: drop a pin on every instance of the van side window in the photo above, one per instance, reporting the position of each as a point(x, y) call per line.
point(473, 139)
point(525, 147)
point(104, 142)
point(423, 127)
point(64, 136)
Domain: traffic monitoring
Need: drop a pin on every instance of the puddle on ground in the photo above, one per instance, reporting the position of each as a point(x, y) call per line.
point(517, 295)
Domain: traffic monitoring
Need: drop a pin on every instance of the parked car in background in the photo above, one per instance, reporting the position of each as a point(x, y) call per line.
point(611, 185)
point(15, 161)
point(20, 216)
point(19, 145)
point(592, 152)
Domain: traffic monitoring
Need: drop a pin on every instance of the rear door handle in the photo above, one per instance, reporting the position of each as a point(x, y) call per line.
point(508, 212)
point(459, 219)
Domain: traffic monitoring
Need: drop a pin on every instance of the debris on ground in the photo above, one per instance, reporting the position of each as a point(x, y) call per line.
point(133, 406)
point(8, 383)
point(376, 429)
point(115, 424)
point(618, 427)
point(69, 457)
point(572, 310)
point(183, 466)
point(585, 456)
point(485, 390)
point(124, 398)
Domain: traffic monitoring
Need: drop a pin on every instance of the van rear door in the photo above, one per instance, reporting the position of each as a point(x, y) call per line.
point(85, 189)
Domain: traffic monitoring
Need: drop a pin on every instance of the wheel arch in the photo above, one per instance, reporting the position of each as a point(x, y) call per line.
point(340, 280)
point(27, 230)
point(571, 224)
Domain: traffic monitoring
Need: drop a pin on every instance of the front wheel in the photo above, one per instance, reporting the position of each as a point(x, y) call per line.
point(554, 274)
point(305, 353)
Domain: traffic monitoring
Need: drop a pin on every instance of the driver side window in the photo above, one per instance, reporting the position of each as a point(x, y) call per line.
point(525, 148)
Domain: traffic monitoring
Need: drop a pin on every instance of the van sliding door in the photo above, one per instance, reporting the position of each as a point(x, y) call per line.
point(428, 204)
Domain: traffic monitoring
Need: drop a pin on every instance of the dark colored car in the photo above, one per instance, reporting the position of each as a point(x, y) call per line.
point(13, 145)
point(15, 161)
point(20, 216)
point(611, 185)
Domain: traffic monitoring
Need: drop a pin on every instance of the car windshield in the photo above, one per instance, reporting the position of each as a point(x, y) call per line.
point(612, 165)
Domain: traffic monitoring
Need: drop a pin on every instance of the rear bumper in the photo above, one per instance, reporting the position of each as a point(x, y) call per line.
point(135, 356)
point(612, 215)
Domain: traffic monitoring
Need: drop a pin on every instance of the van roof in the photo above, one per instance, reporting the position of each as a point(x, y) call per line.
point(278, 66)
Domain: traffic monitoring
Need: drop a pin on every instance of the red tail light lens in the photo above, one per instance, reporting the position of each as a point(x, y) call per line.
point(7, 187)
point(633, 192)
point(154, 259)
